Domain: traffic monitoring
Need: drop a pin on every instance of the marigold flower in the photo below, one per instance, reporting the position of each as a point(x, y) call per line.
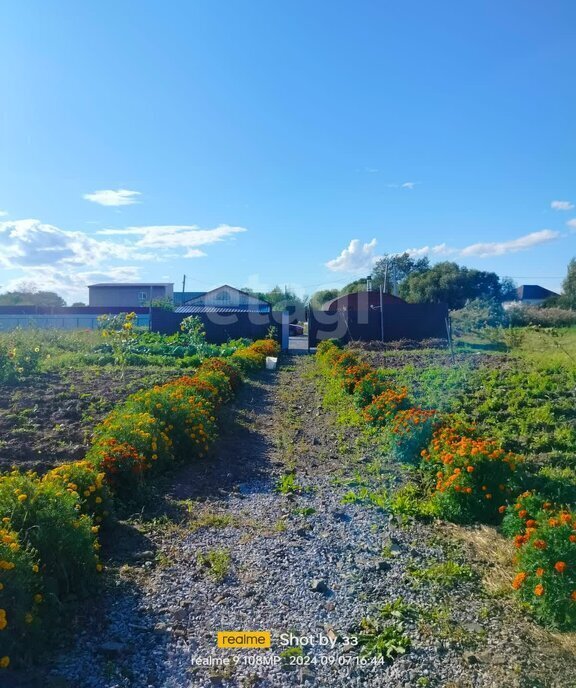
point(552, 522)
point(38, 598)
point(539, 590)
point(560, 566)
point(4, 662)
point(470, 469)
point(22, 497)
point(539, 544)
point(502, 509)
point(530, 523)
point(573, 595)
point(539, 571)
point(572, 538)
point(518, 580)
point(523, 513)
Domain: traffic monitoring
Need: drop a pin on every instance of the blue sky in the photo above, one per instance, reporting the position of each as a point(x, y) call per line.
point(255, 142)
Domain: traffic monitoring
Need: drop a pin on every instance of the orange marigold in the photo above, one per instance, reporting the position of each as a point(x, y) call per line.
point(518, 580)
point(539, 571)
point(539, 544)
point(560, 566)
point(539, 590)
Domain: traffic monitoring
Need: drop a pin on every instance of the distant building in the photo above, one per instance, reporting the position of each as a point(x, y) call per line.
point(182, 297)
point(224, 299)
point(359, 301)
point(129, 294)
point(530, 295)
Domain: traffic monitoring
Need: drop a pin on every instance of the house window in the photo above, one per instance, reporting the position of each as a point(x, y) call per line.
point(142, 296)
point(223, 296)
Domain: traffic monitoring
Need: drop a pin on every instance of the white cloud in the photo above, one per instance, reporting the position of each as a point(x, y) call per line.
point(408, 185)
point(71, 285)
point(183, 237)
point(355, 258)
point(572, 224)
point(437, 250)
point(3, 213)
point(561, 205)
point(113, 198)
point(500, 248)
point(489, 248)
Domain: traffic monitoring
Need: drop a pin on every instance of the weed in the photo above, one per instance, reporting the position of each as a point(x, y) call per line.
point(377, 641)
point(287, 484)
point(445, 574)
point(216, 561)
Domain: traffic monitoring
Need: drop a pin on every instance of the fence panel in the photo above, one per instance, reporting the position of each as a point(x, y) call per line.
point(395, 321)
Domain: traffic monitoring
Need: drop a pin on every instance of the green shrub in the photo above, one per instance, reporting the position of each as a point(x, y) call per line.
point(48, 520)
point(546, 577)
point(474, 477)
point(22, 599)
point(18, 360)
point(370, 386)
point(385, 406)
point(529, 509)
point(86, 484)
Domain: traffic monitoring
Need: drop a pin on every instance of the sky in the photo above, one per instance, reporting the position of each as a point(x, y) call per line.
point(256, 143)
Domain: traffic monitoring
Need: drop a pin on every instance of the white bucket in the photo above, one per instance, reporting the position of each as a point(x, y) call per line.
point(271, 362)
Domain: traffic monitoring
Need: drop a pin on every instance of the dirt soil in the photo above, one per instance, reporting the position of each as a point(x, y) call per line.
point(48, 418)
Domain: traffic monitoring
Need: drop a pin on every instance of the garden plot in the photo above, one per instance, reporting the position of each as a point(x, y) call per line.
point(266, 536)
point(48, 418)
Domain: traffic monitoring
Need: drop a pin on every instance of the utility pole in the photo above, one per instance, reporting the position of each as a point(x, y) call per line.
point(183, 289)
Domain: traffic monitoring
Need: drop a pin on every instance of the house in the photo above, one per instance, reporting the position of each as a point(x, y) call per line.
point(129, 294)
point(360, 301)
point(181, 297)
point(530, 295)
point(224, 299)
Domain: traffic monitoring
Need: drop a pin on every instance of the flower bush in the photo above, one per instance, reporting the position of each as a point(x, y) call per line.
point(17, 361)
point(86, 484)
point(369, 387)
point(473, 476)
point(546, 576)
point(527, 512)
point(47, 519)
point(220, 365)
point(410, 431)
point(384, 407)
point(22, 600)
point(267, 347)
point(353, 374)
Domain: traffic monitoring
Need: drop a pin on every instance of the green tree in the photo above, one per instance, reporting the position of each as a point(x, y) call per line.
point(393, 269)
point(322, 296)
point(31, 297)
point(568, 298)
point(451, 284)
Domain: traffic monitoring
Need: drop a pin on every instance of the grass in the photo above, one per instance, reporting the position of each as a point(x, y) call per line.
point(287, 484)
point(216, 562)
point(445, 574)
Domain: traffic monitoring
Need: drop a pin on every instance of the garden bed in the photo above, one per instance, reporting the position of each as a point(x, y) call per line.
point(48, 418)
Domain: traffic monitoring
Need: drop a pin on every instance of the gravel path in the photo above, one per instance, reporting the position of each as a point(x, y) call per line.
point(307, 563)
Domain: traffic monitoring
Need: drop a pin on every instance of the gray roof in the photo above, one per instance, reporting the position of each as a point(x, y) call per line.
point(132, 284)
point(534, 291)
point(251, 308)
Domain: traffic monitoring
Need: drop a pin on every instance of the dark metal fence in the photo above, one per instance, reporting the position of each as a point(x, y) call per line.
point(220, 327)
point(395, 321)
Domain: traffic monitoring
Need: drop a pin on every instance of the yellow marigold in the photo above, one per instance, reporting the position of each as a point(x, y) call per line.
point(4, 662)
point(35, 568)
point(22, 497)
point(38, 598)
point(28, 618)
